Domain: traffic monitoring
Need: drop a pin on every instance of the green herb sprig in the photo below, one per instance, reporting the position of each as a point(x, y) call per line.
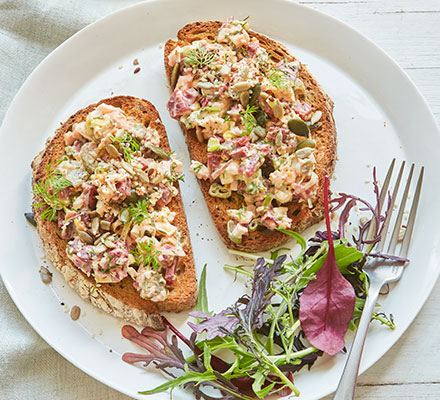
point(49, 190)
point(176, 178)
point(137, 212)
point(278, 79)
point(145, 255)
point(110, 266)
point(128, 145)
point(173, 177)
point(197, 168)
point(248, 118)
point(200, 57)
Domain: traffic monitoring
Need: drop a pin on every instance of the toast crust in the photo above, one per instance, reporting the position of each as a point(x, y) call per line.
point(120, 299)
point(325, 138)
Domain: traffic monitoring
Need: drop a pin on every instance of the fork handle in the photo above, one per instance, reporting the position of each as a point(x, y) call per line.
point(347, 384)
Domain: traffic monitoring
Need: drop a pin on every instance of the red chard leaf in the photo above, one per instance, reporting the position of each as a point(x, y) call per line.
point(327, 303)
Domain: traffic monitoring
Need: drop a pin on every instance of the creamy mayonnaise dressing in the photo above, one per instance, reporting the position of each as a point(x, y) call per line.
point(250, 112)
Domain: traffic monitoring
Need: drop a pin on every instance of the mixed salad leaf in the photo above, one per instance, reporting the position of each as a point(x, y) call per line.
point(298, 309)
point(327, 303)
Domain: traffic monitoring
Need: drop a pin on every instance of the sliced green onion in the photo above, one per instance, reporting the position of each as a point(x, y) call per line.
point(267, 200)
point(230, 226)
point(279, 161)
point(252, 188)
point(220, 191)
point(214, 144)
point(254, 225)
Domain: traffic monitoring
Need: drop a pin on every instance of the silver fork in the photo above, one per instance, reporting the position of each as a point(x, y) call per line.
point(380, 273)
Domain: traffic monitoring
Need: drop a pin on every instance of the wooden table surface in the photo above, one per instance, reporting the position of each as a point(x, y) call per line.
point(409, 31)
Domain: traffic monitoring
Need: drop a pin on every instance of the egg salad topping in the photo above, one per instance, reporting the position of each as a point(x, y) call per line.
point(250, 112)
point(109, 194)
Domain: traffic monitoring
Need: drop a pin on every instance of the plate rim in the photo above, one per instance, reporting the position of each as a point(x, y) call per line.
point(141, 5)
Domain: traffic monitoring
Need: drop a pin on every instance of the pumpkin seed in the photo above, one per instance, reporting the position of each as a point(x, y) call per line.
point(299, 88)
point(143, 176)
point(100, 248)
point(86, 133)
point(315, 126)
point(304, 153)
point(95, 225)
point(279, 139)
point(244, 98)
point(307, 166)
point(277, 108)
point(158, 151)
point(112, 150)
point(109, 244)
point(75, 312)
point(241, 86)
point(124, 215)
point(127, 167)
point(45, 275)
point(264, 96)
point(133, 195)
point(298, 127)
point(315, 117)
point(205, 85)
point(105, 225)
point(101, 238)
point(255, 93)
point(261, 117)
point(175, 75)
point(30, 218)
point(306, 143)
point(254, 137)
point(88, 161)
point(85, 237)
point(260, 131)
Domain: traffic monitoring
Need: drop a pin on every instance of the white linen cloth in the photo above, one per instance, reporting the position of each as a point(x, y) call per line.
point(29, 31)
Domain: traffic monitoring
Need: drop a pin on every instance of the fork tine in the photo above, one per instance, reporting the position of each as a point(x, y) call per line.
point(412, 216)
point(393, 199)
point(386, 184)
point(382, 196)
point(398, 224)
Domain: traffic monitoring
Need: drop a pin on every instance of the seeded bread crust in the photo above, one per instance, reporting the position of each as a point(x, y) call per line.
point(121, 299)
point(325, 138)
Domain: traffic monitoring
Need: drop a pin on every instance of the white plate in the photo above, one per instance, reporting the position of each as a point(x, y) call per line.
point(379, 115)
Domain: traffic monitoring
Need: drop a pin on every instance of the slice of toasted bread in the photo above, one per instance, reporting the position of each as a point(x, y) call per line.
point(120, 299)
point(325, 137)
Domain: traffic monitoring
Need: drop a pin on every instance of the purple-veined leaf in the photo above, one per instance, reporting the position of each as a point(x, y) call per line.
point(214, 325)
point(327, 303)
